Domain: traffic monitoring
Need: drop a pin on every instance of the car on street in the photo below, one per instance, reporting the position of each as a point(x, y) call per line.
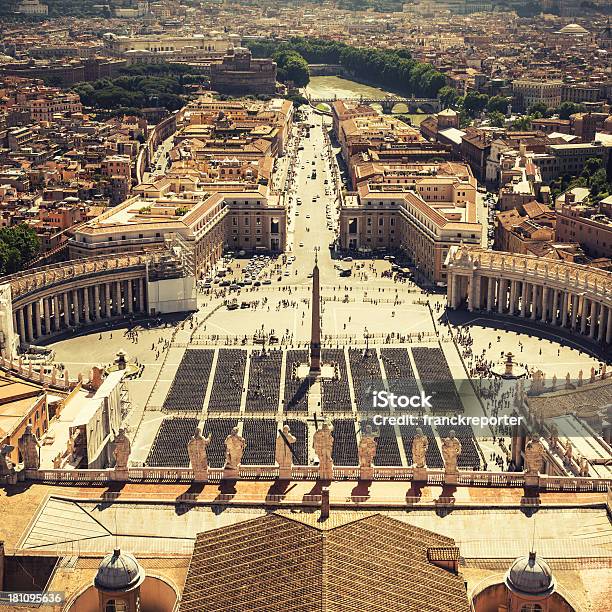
point(348, 259)
point(301, 244)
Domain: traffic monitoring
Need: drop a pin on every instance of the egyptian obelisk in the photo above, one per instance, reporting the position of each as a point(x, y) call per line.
point(315, 333)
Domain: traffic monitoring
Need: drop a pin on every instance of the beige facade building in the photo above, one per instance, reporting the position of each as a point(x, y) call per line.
point(589, 225)
point(389, 217)
point(204, 222)
point(160, 43)
point(534, 91)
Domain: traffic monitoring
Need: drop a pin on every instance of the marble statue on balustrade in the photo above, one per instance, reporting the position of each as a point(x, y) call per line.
point(554, 436)
point(534, 456)
point(29, 447)
point(451, 449)
point(234, 449)
point(569, 452)
point(420, 444)
point(283, 453)
point(7, 469)
point(584, 467)
point(122, 451)
point(196, 449)
point(367, 452)
point(323, 444)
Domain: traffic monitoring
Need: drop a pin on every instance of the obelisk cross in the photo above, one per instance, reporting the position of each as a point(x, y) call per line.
point(315, 332)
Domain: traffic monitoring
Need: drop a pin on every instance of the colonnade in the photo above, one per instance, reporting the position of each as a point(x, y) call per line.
point(78, 305)
point(580, 302)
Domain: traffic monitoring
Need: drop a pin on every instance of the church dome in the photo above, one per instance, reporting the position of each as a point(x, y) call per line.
point(573, 28)
point(119, 572)
point(530, 575)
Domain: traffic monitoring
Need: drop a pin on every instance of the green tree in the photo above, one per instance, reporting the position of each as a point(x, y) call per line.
point(538, 109)
point(448, 96)
point(18, 246)
point(591, 166)
point(292, 67)
point(474, 103)
point(566, 109)
point(498, 103)
point(521, 124)
point(496, 119)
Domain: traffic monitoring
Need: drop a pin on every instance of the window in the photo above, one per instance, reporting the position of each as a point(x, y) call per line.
point(115, 605)
point(531, 607)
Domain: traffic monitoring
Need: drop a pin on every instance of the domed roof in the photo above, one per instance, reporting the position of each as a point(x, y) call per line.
point(119, 572)
point(530, 575)
point(573, 28)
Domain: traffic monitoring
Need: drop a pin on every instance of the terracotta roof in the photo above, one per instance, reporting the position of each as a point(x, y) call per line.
point(274, 563)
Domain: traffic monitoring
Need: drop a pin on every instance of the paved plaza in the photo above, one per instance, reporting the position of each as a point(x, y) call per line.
point(369, 308)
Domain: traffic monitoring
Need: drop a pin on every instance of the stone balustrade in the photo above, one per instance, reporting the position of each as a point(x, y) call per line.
point(563, 295)
point(270, 473)
point(58, 379)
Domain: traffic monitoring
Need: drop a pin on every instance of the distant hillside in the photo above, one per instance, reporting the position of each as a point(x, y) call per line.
point(76, 8)
point(58, 8)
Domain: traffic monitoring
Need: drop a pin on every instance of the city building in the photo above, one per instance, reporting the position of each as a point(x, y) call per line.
point(32, 7)
point(389, 217)
point(588, 224)
point(528, 92)
point(240, 74)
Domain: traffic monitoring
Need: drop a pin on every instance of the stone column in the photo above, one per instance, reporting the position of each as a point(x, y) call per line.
point(554, 316)
point(76, 305)
point(513, 288)
point(37, 321)
point(47, 314)
point(609, 327)
point(66, 310)
point(575, 309)
point(534, 301)
point(544, 304)
point(602, 322)
point(501, 295)
point(564, 309)
point(490, 293)
point(86, 304)
point(478, 287)
point(453, 291)
point(118, 297)
point(141, 295)
point(107, 300)
point(96, 302)
point(56, 314)
point(129, 297)
point(29, 329)
point(22, 328)
point(583, 314)
point(66, 307)
point(523, 298)
point(593, 319)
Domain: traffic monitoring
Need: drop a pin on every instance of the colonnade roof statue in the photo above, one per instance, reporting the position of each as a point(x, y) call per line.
point(465, 255)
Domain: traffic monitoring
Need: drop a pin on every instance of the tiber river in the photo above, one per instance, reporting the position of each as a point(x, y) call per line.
point(333, 86)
